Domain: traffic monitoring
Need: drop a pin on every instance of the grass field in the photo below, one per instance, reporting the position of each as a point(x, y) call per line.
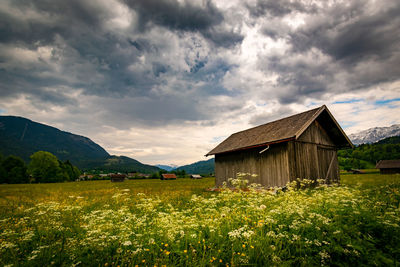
point(178, 223)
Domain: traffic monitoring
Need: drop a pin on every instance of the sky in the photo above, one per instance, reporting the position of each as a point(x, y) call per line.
point(164, 81)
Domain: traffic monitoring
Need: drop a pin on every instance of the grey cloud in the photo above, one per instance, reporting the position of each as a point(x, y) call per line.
point(99, 61)
point(172, 14)
point(352, 33)
point(143, 45)
point(58, 98)
point(338, 48)
point(278, 8)
point(275, 29)
point(224, 38)
point(355, 46)
point(67, 18)
point(89, 57)
point(159, 68)
point(272, 115)
point(185, 17)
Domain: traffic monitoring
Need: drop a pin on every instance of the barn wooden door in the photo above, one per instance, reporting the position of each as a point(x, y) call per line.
point(328, 164)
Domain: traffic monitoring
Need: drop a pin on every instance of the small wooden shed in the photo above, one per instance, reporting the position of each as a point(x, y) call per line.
point(168, 176)
point(195, 176)
point(117, 177)
point(300, 146)
point(389, 166)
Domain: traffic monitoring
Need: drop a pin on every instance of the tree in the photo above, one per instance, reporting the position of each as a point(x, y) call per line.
point(3, 173)
point(77, 172)
point(69, 171)
point(14, 170)
point(45, 167)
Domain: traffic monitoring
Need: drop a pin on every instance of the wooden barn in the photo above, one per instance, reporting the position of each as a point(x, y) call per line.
point(389, 166)
point(300, 146)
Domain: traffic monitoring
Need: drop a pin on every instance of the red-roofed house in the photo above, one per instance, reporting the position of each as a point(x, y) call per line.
point(168, 176)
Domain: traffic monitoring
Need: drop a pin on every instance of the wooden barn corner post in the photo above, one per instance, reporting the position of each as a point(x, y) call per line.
point(301, 146)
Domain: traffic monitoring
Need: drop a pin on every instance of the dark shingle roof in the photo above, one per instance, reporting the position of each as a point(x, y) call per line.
point(282, 130)
point(388, 164)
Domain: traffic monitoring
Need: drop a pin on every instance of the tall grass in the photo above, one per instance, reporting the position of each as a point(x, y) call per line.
point(177, 223)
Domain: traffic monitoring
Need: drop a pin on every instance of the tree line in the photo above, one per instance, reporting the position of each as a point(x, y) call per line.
point(43, 167)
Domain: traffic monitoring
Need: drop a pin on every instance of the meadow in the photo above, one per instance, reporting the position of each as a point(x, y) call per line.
point(179, 223)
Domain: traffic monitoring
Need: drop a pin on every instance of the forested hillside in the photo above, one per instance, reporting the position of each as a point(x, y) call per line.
point(200, 167)
point(22, 137)
point(120, 164)
point(365, 156)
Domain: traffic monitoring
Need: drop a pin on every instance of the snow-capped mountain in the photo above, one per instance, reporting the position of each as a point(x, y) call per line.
point(375, 134)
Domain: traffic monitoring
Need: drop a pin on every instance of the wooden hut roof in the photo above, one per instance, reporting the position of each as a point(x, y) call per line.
point(283, 130)
point(168, 176)
point(388, 164)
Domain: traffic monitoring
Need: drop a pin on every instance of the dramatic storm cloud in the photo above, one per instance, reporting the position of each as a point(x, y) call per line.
point(163, 81)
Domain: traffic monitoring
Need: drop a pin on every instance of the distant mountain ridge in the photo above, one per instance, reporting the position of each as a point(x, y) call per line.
point(375, 134)
point(23, 137)
point(199, 167)
point(121, 164)
point(167, 167)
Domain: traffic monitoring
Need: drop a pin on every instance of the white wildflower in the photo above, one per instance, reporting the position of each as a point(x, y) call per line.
point(127, 243)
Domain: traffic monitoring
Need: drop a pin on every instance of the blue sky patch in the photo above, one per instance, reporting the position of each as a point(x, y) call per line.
point(354, 100)
point(386, 101)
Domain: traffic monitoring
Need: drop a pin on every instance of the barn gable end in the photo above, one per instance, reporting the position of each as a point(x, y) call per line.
point(299, 146)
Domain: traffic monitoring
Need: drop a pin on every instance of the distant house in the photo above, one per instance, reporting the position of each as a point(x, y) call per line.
point(168, 176)
point(300, 146)
point(117, 177)
point(195, 176)
point(389, 166)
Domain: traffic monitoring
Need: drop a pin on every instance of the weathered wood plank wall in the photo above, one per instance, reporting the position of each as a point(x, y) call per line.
point(271, 166)
point(314, 152)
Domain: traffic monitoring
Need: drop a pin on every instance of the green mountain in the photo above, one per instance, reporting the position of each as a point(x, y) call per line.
point(365, 156)
point(120, 164)
point(23, 137)
point(200, 167)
